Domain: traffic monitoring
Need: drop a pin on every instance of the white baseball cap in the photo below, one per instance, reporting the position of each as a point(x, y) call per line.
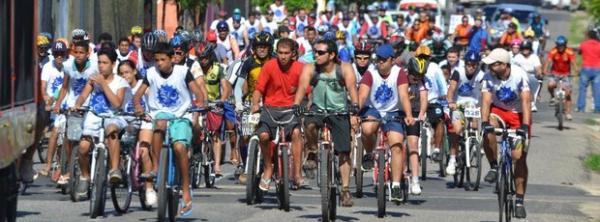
point(497, 55)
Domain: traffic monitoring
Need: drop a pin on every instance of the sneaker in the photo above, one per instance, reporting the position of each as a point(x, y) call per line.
point(82, 189)
point(552, 102)
point(415, 188)
point(396, 194)
point(491, 176)
point(115, 176)
point(451, 168)
point(151, 197)
point(534, 108)
point(242, 179)
point(520, 210)
point(435, 155)
point(367, 162)
point(62, 180)
point(346, 197)
point(569, 117)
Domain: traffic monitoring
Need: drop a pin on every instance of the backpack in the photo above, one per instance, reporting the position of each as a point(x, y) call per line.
point(338, 75)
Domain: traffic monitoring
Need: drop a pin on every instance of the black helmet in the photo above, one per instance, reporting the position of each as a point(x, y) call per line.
point(149, 41)
point(263, 38)
point(417, 66)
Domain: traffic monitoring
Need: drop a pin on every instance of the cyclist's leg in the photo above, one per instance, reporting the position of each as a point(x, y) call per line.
point(454, 138)
point(412, 135)
point(91, 126)
point(157, 142)
point(181, 133)
point(311, 123)
point(52, 143)
point(395, 133)
point(145, 138)
point(297, 148)
point(568, 102)
point(551, 85)
point(490, 146)
point(369, 130)
point(217, 150)
point(230, 130)
point(266, 131)
point(113, 143)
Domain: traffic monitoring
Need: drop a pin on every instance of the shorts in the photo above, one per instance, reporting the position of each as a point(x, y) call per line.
point(267, 125)
point(386, 124)
point(58, 120)
point(415, 129)
point(92, 124)
point(566, 80)
point(435, 113)
point(180, 130)
point(511, 119)
point(339, 127)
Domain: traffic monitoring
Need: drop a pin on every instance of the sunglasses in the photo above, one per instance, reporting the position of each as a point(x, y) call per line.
point(223, 30)
point(320, 52)
point(179, 53)
point(362, 58)
point(472, 64)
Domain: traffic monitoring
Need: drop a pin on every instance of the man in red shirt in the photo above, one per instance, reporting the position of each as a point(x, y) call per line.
point(562, 59)
point(590, 73)
point(276, 88)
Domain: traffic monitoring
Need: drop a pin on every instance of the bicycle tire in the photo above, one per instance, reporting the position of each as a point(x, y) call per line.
point(509, 198)
point(444, 154)
point(98, 198)
point(74, 172)
point(502, 192)
point(560, 115)
point(173, 198)
point(332, 203)
point(381, 189)
point(142, 194)
point(126, 184)
point(209, 166)
point(162, 184)
point(285, 179)
point(64, 167)
point(253, 178)
point(358, 173)
point(325, 175)
point(423, 156)
point(474, 172)
point(460, 167)
point(42, 149)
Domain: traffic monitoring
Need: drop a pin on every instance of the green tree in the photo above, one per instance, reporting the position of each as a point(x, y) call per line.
point(291, 4)
point(593, 8)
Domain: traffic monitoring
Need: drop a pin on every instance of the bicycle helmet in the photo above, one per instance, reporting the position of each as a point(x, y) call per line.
point(149, 41)
point(42, 41)
point(78, 34)
point(135, 30)
point(329, 36)
point(517, 42)
point(417, 66)
point(178, 42)
point(340, 34)
point(161, 35)
point(263, 38)
point(527, 45)
point(472, 56)
point(561, 40)
point(363, 48)
point(322, 29)
point(48, 35)
point(438, 37)
point(222, 26)
point(205, 50)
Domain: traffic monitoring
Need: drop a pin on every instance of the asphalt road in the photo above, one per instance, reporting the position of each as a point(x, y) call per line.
point(558, 187)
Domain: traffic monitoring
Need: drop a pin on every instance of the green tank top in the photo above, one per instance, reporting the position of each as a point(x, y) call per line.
point(212, 79)
point(328, 94)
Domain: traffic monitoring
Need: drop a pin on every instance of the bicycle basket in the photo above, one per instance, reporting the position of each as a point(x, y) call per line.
point(74, 127)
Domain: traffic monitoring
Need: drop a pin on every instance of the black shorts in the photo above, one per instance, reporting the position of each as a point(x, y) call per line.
point(435, 113)
point(415, 129)
point(267, 125)
point(339, 127)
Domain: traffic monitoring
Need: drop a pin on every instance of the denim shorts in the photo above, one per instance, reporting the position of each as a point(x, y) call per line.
point(387, 124)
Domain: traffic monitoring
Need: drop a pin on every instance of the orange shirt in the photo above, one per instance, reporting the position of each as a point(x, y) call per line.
point(507, 39)
point(461, 33)
point(561, 62)
point(277, 87)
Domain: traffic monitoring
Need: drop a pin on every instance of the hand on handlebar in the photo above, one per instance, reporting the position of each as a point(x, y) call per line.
point(409, 120)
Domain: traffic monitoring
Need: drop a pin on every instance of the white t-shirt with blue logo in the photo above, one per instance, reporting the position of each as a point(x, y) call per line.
point(77, 80)
point(54, 79)
point(467, 90)
point(98, 101)
point(128, 101)
point(506, 94)
point(170, 94)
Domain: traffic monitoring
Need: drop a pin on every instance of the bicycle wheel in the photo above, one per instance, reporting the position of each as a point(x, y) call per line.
point(459, 174)
point(173, 199)
point(423, 140)
point(502, 193)
point(358, 173)
point(121, 193)
point(444, 154)
point(325, 175)
point(74, 172)
point(64, 167)
point(285, 179)
point(162, 183)
point(253, 178)
point(474, 172)
point(98, 198)
point(381, 188)
point(209, 164)
point(560, 114)
point(142, 194)
point(42, 149)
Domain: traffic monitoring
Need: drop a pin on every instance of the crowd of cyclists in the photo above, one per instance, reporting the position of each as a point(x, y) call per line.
point(402, 71)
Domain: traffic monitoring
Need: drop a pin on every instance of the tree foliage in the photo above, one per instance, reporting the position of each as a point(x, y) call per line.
point(291, 4)
point(593, 8)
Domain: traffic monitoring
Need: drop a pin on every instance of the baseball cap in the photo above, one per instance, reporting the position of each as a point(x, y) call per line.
point(237, 11)
point(211, 36)
point(497, 55)
point(385, 51)
point(423, 50)
point(59, 46)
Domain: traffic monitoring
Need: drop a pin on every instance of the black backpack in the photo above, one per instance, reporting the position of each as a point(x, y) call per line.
point(339, 75)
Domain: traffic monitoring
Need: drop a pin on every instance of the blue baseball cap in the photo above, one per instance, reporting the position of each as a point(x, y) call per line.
point(385, 51)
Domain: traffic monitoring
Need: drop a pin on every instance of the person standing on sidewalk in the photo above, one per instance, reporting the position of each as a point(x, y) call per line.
point(590, 72)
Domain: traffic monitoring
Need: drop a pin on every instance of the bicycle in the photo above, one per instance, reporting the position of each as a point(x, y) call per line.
point(560, 94)
point(328, 167)
point(468, 159)
point(382, 169)
point(253, 167)
point(505, 183)
point(73, 129)
point(169, 180)
point(357, 156)
point(426, 152)
point(202, 162)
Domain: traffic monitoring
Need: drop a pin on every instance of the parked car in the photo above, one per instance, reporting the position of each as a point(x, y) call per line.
point(522, 12)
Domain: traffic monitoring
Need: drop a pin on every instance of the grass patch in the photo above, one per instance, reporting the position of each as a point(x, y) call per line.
point(592, 162)
point(591, 122)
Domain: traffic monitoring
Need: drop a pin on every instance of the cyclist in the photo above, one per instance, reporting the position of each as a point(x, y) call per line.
point(453, 60)
point(43, 45)
point(106, 92)
point(439, 46)
point(515, 48)
point(505, 93)
point(52, 80)
point(276, 87)
point(225, 39)
point(176, 81)
point(477, 36)
point(436, 89)
point(253, 25)
point(76, 77)
point(135, 38)
point(362, 60)
point(240, 33)
point(380, 92)
point(538, 26)
point(279, 10)
point(305, 44)
point(530, 62)
point(510, 35)
point(181, 57)
point(563, 63)
point(461, 33)
point(128, 72)
point(417, 89)
point(345, 51)
point(218, 90)
point(529, 35)
point(145, 59)
point(329, 79)
point(465, 85)
point(124, 52)
point(268, 24)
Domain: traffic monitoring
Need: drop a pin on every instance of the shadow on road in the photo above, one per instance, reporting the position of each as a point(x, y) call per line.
point(338, 217)
point(26, 213)
point(387, 213)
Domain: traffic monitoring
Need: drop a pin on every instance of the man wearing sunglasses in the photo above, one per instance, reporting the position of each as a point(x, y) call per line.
point(228, 41)
point(362, 60)
point(380, 93)
point(329, 79)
